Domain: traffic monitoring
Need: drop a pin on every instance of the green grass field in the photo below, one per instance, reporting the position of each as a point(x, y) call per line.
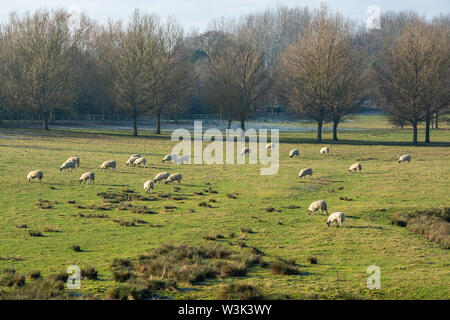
point(411, 267)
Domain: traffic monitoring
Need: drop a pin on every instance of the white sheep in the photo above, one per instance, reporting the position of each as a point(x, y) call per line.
point(140, 161)
point(403, 158)
point(148, 185)
point(174, 177)
point(167, 157)
point(325, 150)
point(132, 159)
point(318, 205)
point(108, 164)
point(35, 174)
point(87, 176)
point(338, 217)
point(305, 172)
point(294, 152)
point(245, 150)
point(356, 167)
point(161, 176)
point(66, 165)
point(74, 159)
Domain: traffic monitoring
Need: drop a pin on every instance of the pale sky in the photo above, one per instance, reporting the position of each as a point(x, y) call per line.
point(198, 13)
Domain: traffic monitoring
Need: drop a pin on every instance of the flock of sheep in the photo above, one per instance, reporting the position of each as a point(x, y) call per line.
point(137, 160)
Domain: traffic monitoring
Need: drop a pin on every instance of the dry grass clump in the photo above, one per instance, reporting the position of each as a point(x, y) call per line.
point(234, 291)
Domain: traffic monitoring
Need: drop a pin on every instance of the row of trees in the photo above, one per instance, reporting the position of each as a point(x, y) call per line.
point(317, 64)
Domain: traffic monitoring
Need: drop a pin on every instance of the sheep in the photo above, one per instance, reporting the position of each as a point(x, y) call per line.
point(66, 165)
point(294, 152)
point(148, 185)
point(245, 150)
point(140, 161)
point(325, 150)
point(132, 159)
point(305, 172)
point(269, 146)
point(180, 159)
point(403, 158)
point(356, 167)
point(174, 177)
point(108, 164)
point(167, 157)
point(161, 176)
point(35, 174)
point(318, 205)
point(87, 176)
point(338, 217)
point(74, 159)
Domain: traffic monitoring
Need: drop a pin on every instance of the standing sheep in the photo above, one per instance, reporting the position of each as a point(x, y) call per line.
point(132, 159)
point(356, 167)
point(167, 157)
point(87, 176)
point(318, 205)
point(305, 172)
point(294, 152)
point(403, 158)
point(108, 164)
point(245, 150)
point(161, 176)
point(35, 174)
point(148, 185)
point(67, 165)
point(338, 217)
point(174, 177)
point(74, 159)
point(140, 161)
point(325, 150)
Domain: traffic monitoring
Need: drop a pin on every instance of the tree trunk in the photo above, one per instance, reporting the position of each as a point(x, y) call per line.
point(135, 130)
point(229, 124)
point(158, 122)
point(243, 124)
point(52, 117)
point(436, 121)
point(414, 125)
point(45, 122)
point(319, 130)
point(335, 126)
point(427, 129)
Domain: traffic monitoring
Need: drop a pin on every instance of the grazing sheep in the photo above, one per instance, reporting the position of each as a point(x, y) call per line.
point(108, 164)
point(180, 159)
point(305, 172)
point(174, 177)
point(66, 165)
point(269, 146)
point(356, 167)
point(148, 185)
point(132, 159)
point(245, 150)
point(318, 205)
point(325, 150)
point(161, 176)
point(403, 158)
point(294, 152)
point(167, 157)
point(87, 176)
point(36, 174)
point(74, 159)
point(338, 217)
point(140, 161)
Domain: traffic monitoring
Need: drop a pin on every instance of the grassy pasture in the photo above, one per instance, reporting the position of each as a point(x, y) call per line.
point(411, 267)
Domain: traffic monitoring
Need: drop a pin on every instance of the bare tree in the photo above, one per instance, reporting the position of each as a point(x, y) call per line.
point(412, 74)
point(322, 71)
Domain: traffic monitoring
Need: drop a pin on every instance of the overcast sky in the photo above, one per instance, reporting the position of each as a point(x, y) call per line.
point(197, 13)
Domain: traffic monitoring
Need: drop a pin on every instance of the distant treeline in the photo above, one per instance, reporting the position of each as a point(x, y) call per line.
point(314, 64)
